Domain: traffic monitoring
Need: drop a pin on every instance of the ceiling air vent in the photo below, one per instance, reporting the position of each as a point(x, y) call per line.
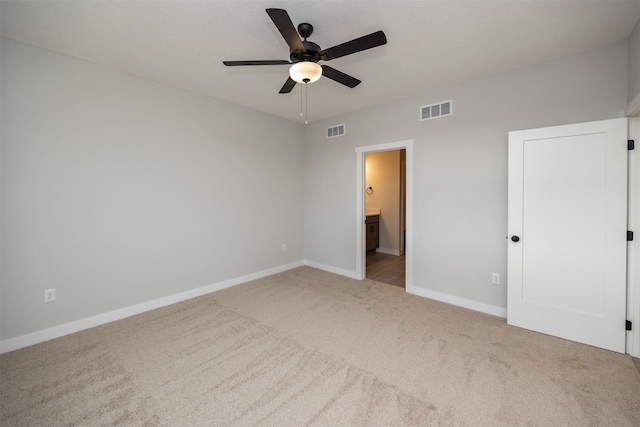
point(335, 131)
point(434, 111)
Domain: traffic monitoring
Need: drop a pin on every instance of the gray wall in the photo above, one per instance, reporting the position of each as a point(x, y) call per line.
point(118, 190)
point(634, 64)
point(459, 164)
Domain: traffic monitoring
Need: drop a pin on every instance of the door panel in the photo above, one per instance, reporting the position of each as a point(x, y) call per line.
point(567, 203)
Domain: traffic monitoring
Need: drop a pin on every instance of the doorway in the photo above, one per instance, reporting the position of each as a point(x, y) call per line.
point(384, 211)
point(404, 247)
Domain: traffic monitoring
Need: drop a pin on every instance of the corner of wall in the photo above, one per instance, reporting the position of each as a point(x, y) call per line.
point(633, 72)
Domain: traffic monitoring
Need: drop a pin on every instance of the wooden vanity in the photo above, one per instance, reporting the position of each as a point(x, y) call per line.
point(373, 232)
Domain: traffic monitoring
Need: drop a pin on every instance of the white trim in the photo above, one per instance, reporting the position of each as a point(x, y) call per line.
point(633, 248)
point(90, 322)
point(360, 206)
point(388, 146)
point(330, 269)
point(361, 217)
point(460, 302)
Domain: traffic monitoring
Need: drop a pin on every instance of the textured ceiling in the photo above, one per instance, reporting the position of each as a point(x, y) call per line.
point(431, 44)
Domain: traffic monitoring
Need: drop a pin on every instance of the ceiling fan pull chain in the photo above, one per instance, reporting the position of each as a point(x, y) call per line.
point(306, 104)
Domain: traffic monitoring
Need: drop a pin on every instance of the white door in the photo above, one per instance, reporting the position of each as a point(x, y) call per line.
point(567, 224)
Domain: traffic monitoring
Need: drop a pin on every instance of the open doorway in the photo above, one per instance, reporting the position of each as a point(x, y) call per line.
point(385, 195)
point(400, 244)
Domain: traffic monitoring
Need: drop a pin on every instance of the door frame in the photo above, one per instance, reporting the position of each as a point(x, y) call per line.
point(403, 204)
point(633, 248)
point(360, 205)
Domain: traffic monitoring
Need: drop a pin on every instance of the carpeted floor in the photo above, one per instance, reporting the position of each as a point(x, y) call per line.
point(309, 347)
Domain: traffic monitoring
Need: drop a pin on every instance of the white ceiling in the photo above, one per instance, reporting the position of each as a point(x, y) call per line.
point(431, 44)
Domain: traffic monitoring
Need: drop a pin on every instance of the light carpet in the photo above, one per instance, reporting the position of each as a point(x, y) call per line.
point(307, 347)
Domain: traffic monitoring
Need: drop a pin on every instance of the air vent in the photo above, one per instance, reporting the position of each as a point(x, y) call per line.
point(434, 111)
point(335, 131)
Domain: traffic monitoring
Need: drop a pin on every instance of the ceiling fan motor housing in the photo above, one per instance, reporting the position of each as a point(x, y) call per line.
point(312, 53)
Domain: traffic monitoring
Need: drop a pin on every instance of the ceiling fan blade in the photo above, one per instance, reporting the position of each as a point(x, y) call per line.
point(339, 76)
point(267, 62)
point(288, 86)
point(280, 17)
point(356, 45)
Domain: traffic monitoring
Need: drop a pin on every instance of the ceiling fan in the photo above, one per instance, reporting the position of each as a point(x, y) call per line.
point(304, 55)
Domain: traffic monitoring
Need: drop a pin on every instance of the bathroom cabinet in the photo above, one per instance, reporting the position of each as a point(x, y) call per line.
point(373, 232)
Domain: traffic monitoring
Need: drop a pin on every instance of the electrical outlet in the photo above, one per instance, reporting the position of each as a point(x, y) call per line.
point(50, 295)
point(495, 278)
point(284, 247)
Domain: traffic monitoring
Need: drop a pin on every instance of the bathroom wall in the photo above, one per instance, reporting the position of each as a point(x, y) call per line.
point(382, 171)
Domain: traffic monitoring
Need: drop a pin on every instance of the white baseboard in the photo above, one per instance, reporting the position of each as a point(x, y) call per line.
point(395, 252)
point(460, 302)
point(330, 269)
point(90, 322)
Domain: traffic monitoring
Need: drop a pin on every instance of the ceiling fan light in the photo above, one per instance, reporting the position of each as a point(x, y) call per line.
point(305, 72)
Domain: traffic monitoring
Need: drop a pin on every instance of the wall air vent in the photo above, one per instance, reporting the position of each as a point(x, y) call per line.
point(335, 131)
point(434, 111)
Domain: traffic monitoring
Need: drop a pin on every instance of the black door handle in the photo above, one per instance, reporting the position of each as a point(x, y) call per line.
point(515, 238)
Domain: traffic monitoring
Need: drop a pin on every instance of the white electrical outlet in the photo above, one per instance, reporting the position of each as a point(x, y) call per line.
point(284, 247)
point(50, 295)
point(495, 278)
